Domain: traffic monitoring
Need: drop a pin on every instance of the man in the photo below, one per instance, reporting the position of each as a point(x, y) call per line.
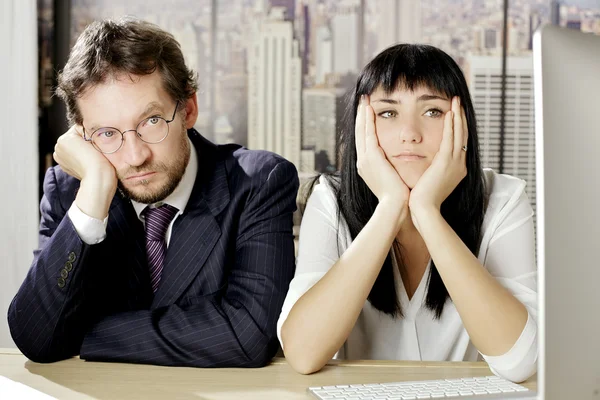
point(156, 246)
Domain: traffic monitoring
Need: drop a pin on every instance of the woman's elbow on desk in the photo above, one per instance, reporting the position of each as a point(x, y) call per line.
point(520, 362)
point(303, 364)
point(516, 375)
point(299, 357)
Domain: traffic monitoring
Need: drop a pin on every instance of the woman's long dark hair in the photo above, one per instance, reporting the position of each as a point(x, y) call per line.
point(411, 66)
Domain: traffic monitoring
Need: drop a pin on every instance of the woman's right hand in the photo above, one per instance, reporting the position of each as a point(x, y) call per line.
point(373, 167)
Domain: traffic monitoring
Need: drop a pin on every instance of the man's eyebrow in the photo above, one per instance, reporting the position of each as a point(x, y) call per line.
point(150, 108)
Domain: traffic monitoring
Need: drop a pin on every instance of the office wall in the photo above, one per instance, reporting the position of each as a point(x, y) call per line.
point(18, 149)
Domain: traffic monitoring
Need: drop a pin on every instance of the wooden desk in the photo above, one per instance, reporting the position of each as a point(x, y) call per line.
point(77, 379)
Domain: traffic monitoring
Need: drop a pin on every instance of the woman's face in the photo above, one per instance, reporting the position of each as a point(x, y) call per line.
point(409, 126)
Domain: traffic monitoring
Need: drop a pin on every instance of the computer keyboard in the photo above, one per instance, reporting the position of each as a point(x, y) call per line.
point(487, 387)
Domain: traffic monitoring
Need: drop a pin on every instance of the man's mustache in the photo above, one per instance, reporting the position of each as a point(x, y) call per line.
point(146, 167)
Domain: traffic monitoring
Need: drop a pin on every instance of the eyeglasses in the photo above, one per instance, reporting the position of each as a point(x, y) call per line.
point(151, 130)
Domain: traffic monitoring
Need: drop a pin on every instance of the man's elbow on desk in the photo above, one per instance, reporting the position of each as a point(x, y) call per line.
point(44, 357)
point(39, 343)
point(45, 353)
point(267, 348)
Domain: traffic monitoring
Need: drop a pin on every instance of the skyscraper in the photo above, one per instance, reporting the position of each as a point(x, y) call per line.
point(399, 22)
point(193, 48)
point(490, 38)
point(274, 88)
point(290, 8)
point(223, 130)
point(324, 54)
point(306, 32)
point(555, 12)
point(519, 135)
point(345, 33)
point(574, 21)
point(535, 21)
point(322, 110)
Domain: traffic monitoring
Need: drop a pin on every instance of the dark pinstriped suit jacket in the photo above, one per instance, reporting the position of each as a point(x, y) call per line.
point(227, 270)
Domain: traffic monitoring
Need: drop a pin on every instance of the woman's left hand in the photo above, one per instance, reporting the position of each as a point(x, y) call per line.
point(448, 168)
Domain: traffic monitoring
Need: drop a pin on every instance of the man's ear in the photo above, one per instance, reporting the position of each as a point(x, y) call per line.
point(191, 111)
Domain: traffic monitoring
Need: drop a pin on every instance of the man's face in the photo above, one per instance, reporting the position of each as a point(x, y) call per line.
point(147, 173)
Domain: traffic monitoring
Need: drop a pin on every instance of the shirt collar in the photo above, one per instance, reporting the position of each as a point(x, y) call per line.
point(180, 196)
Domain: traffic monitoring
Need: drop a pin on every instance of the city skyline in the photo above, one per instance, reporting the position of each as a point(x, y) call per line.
point(248, 93)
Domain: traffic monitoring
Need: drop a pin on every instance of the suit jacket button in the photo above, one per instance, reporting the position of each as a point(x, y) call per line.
point(72, 256)
point(69, 266)
point(61, 283)
point(64, 273)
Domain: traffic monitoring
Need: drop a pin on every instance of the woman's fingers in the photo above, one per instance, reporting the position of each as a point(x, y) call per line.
point(447, 144)
point(371, 141)
point(457, 124)
point(359, 128)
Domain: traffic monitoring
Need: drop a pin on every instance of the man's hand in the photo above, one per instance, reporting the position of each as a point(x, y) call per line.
point(98, 177)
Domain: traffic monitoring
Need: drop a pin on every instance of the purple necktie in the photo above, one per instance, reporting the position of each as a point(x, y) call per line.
point(157, 222)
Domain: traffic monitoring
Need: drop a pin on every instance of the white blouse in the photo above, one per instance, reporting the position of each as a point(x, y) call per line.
point(507, 251)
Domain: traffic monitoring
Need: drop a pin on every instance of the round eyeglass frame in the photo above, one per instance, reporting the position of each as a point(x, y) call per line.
point(129, 130)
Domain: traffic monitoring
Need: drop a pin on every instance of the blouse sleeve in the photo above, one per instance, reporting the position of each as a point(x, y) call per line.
point(319, 246)
point(510, 258)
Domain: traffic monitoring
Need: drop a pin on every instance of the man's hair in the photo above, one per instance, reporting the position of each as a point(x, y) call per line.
point(127, 46)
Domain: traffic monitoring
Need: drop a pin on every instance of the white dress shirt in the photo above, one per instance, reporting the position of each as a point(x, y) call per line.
point(93, 231)
point(507, 251)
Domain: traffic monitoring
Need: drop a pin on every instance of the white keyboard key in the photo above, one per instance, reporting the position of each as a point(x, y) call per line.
point(507, 389)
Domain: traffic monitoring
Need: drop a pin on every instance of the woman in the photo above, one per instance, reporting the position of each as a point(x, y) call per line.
point(414, 252)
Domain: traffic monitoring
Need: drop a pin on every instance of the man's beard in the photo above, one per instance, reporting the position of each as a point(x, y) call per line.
point(173, 170)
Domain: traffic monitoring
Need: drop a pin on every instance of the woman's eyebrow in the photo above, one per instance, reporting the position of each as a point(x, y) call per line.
point(388, 101)
point(423, 97)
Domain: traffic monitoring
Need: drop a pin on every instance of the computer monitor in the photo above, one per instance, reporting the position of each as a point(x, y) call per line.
point(567, 115)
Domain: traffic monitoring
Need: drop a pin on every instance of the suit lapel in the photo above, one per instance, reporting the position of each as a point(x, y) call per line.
point(196, 232)
point(127, 230)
